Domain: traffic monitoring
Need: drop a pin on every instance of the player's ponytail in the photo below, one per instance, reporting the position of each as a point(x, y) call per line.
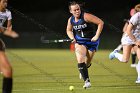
point(137, 8)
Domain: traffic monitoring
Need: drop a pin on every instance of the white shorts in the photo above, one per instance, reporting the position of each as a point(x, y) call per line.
point(127, 41)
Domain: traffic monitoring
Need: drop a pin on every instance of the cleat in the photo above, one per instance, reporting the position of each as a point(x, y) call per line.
point(87, 84)
point(138, 81)
point(133, 65)
point(112, 54)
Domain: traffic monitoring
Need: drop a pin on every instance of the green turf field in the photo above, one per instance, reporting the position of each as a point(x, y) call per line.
point(53, 71)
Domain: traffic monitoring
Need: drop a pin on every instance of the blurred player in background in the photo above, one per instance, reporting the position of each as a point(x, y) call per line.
point(131, 39)
point(86, 39)
point(5, 15)
point(120, 47)
point(5, 67)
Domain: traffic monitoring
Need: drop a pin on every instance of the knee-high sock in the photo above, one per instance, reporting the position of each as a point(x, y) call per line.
point(83, 70)
point(133, 55)
point(138, 69)
point(7, 85)
point(120, 57)
point(119, 48)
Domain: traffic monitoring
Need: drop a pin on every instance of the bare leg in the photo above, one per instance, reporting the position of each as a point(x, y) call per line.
point(81, 51)
point(122, 57)
point(138, 66)
point(89, 57)
point(7, 73)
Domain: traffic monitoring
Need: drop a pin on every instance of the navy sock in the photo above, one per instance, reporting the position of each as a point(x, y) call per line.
point(7, 85)
point(83, 70)
point(133, 58)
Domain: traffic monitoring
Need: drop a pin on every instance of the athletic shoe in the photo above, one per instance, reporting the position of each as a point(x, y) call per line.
point(80, 76)
point(138, 81)
point(133, 65)
point(87, 84)
point(112, 54)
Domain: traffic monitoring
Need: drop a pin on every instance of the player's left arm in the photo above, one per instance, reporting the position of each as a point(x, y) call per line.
point(9, 25)
point(9, 32)
point(95, 20)
point(7, 28)
point(9, 21)
point(129, 33)
point(133, 22)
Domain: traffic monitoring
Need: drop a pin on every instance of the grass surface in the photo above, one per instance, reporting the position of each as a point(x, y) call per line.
point(53, 71)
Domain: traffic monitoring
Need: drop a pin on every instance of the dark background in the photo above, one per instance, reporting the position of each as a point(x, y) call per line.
point(32, 17)
point(48, 5)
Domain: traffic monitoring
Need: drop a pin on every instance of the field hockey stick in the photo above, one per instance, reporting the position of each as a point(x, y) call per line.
point(42, 27)
point(55, 41)
point(59, 40)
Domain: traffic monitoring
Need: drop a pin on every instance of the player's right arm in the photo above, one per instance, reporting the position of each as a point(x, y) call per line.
point(69, 30)
point(125, 26)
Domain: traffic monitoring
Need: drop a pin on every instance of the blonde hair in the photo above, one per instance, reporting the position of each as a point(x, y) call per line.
point(137, 8)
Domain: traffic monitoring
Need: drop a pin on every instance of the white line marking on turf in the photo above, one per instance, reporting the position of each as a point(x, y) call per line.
point(34, 89)
point(51, 89)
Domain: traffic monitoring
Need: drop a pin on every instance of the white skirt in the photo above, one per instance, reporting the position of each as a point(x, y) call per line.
point(126, 40)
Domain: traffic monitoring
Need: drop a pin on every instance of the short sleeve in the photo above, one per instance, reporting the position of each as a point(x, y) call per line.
point(134, 19)
point(9, 15)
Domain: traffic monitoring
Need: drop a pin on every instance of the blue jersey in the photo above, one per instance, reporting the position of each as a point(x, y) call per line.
point(82, 30)
point(83, 33)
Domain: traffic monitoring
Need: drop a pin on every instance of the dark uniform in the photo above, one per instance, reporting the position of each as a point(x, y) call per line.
point(83, 33)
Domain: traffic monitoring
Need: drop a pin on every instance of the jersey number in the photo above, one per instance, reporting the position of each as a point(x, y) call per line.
point(82, 33)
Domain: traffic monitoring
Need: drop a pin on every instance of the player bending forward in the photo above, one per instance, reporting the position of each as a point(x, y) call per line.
point(131, 39)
